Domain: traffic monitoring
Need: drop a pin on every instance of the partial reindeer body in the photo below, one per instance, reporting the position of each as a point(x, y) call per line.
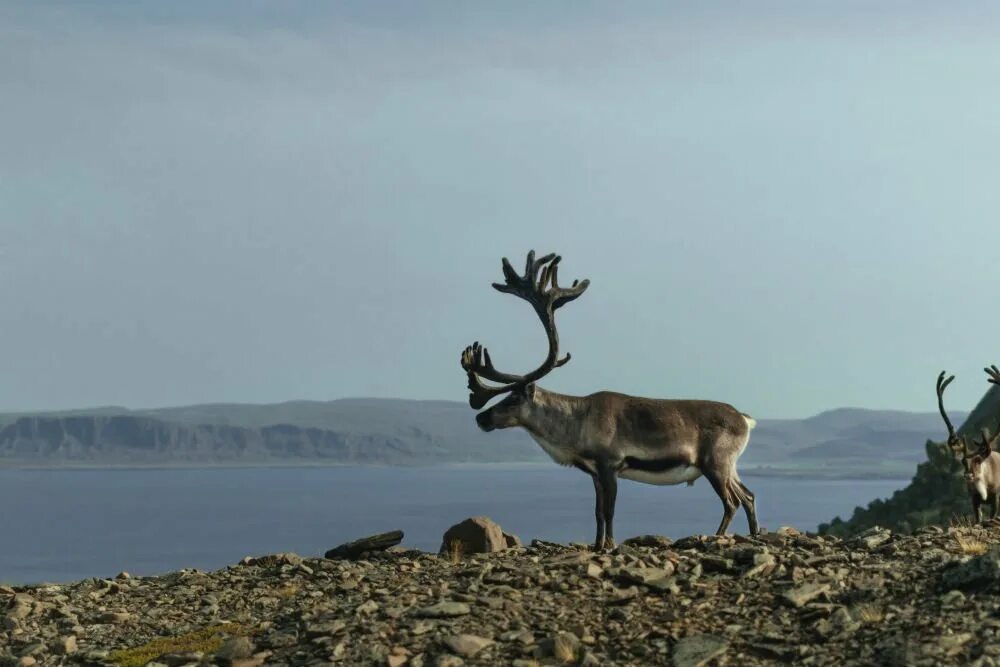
point(983, 476)
point(982, 464)
point(610, 435)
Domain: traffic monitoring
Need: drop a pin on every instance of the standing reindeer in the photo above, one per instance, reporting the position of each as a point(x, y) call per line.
point(609, 435)
point(982, 465)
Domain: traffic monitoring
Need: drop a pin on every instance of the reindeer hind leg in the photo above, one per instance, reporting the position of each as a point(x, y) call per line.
point(730, 501)
point(748, 500)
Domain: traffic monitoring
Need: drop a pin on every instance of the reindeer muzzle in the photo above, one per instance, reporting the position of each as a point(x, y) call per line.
point(485, 421)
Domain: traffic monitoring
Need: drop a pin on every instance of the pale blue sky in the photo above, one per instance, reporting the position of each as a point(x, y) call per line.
point(790, 209)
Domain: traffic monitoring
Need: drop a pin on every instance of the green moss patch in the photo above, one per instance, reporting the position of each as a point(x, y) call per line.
point(206, 640)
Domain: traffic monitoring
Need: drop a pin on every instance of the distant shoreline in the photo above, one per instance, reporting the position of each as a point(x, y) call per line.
point(767, 472)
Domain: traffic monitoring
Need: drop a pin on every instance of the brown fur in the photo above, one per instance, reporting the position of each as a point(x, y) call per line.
point(609, 434)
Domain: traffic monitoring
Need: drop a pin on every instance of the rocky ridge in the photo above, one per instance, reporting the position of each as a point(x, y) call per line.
point(929, 598)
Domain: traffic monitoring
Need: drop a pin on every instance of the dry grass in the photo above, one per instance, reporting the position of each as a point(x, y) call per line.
point(206, 640)
point(971, 546)
point(564, 649)
point(455, 551)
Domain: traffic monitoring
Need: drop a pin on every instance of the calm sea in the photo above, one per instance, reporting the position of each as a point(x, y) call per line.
point(63, 525)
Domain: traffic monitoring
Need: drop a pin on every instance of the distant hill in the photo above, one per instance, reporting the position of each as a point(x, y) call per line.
point(844, 442)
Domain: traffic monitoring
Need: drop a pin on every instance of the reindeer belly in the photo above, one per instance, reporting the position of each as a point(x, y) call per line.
point(659, 472)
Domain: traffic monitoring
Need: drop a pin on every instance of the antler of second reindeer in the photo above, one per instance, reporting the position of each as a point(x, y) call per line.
point(942, 384)
point(988, 442)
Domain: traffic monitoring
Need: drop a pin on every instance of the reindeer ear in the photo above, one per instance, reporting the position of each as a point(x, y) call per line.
point(529, 391)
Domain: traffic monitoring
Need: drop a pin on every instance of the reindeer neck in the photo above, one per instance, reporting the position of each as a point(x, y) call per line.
point(554, 417)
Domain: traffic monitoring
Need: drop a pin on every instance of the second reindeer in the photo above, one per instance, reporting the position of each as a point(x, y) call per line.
point(981, 464)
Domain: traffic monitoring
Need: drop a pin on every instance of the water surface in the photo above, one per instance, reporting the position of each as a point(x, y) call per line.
point(62, 525)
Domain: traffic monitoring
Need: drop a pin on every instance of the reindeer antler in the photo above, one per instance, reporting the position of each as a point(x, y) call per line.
point(987, 443)
point(942, 384)
point(539, 286)
point(953, 438)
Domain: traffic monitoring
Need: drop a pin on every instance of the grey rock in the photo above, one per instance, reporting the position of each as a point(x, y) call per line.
point(654, 541)
point(872, 538)
point(564, 647)
point(512, 541)
point(698, 650)
point(444, 609)
point(467, 646)
point(645, 575)
point(476, 535)
point(115, 617)
point(235, 648)
point(976, 574)
point(64, 645)
point(354, 549)
point(805, 593)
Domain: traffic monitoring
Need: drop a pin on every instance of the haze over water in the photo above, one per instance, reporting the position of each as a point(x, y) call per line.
point(64, 525)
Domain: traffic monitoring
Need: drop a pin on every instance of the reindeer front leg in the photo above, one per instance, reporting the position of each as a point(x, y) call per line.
point(995, 505)
point(977, 510)
point(598, 513)
point(607, 476)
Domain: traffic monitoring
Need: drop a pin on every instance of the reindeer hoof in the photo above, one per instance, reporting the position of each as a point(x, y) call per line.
point(609, 543)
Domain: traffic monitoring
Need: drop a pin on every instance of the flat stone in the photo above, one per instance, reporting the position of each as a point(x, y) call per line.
point(799, 596)
point(467, 646)
point(354, 549)
point(327, 629)
point(653, 541)
point(872, 538)
point(698, 650)
point(444, 609)
point(283, 558)
point(644, 575)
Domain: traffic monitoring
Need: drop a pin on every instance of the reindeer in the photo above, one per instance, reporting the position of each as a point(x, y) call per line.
point(609, 435)
point(982, 464)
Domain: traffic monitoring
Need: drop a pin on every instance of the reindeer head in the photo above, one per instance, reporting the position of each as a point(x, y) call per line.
point(539, 286)
point(973, 461)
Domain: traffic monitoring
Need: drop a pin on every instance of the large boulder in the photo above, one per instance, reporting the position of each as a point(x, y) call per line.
point(476, 535)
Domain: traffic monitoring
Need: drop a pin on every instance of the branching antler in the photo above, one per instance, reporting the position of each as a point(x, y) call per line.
point(956, 443)
point(539, 286)
point(987, 444)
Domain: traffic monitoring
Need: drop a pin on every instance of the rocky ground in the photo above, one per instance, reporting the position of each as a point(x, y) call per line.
point(924, 599)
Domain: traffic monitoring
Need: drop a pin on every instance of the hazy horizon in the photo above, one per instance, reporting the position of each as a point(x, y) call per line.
point(788, 208)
